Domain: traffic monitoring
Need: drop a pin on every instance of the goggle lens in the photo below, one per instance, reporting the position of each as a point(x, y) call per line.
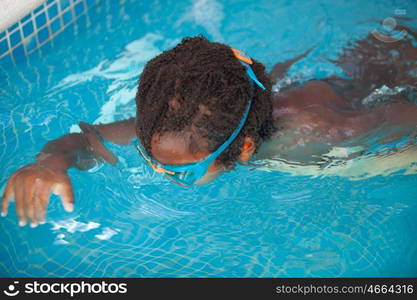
point(179, 179)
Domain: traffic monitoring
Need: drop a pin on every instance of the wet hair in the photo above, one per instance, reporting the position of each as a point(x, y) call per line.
point(200, 89)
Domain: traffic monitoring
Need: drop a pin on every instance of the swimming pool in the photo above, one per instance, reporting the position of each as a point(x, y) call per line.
point(130, 222)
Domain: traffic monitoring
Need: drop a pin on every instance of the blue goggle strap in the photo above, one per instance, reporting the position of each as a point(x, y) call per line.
point(252, 75)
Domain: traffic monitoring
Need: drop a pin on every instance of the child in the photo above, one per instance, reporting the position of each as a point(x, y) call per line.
point(202, 107)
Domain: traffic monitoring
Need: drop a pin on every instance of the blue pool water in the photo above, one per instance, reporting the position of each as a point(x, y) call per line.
point(129, 222)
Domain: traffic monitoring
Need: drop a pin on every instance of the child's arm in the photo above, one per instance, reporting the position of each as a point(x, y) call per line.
point(120, 132)
point(32, 184)
point(279, 70)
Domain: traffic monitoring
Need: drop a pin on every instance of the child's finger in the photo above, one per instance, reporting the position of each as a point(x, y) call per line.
point(20, 206)
point(29, 204)
point(7, 196)
point(43, 192)
point(36, 200)
point(64, 190)
point(37, 206)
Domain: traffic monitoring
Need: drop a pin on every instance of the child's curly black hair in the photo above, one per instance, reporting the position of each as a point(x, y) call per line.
point(200, 87)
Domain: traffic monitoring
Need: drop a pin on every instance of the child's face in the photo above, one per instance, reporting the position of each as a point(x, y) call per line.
point(173, 149)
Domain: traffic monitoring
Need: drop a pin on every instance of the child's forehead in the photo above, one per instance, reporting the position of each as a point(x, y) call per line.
point(175, 148)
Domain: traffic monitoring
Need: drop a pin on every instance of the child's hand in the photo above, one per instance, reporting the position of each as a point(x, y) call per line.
point(31, 187)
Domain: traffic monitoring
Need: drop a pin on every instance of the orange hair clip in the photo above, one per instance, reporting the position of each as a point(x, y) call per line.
point(241, 56)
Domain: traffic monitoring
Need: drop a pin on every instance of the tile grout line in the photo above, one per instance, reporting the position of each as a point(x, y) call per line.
point(34, 35)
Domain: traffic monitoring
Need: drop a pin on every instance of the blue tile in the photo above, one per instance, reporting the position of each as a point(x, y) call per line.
point(64, 4)
point(31, 44)
point(3, 46)
point(43, 35)
point(56, 25)
point(15, 38)
point(38, 9)
point(25, 18)
point(51, 1)
point(19, 53)
point(90, 3)
point(6, 61)
point(52, 11)
point(67, 17)
point(2, 34)
point(27, 29)
point(40, 20)
point(82, 21)
point(47, 47)
point(79, 8)
point(69, 30)
point(13, 27)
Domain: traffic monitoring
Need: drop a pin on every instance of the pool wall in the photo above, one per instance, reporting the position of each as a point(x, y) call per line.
point(31, 30)
point(12, 11)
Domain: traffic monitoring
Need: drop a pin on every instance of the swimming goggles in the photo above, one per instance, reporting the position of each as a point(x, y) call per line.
point(187, 174)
